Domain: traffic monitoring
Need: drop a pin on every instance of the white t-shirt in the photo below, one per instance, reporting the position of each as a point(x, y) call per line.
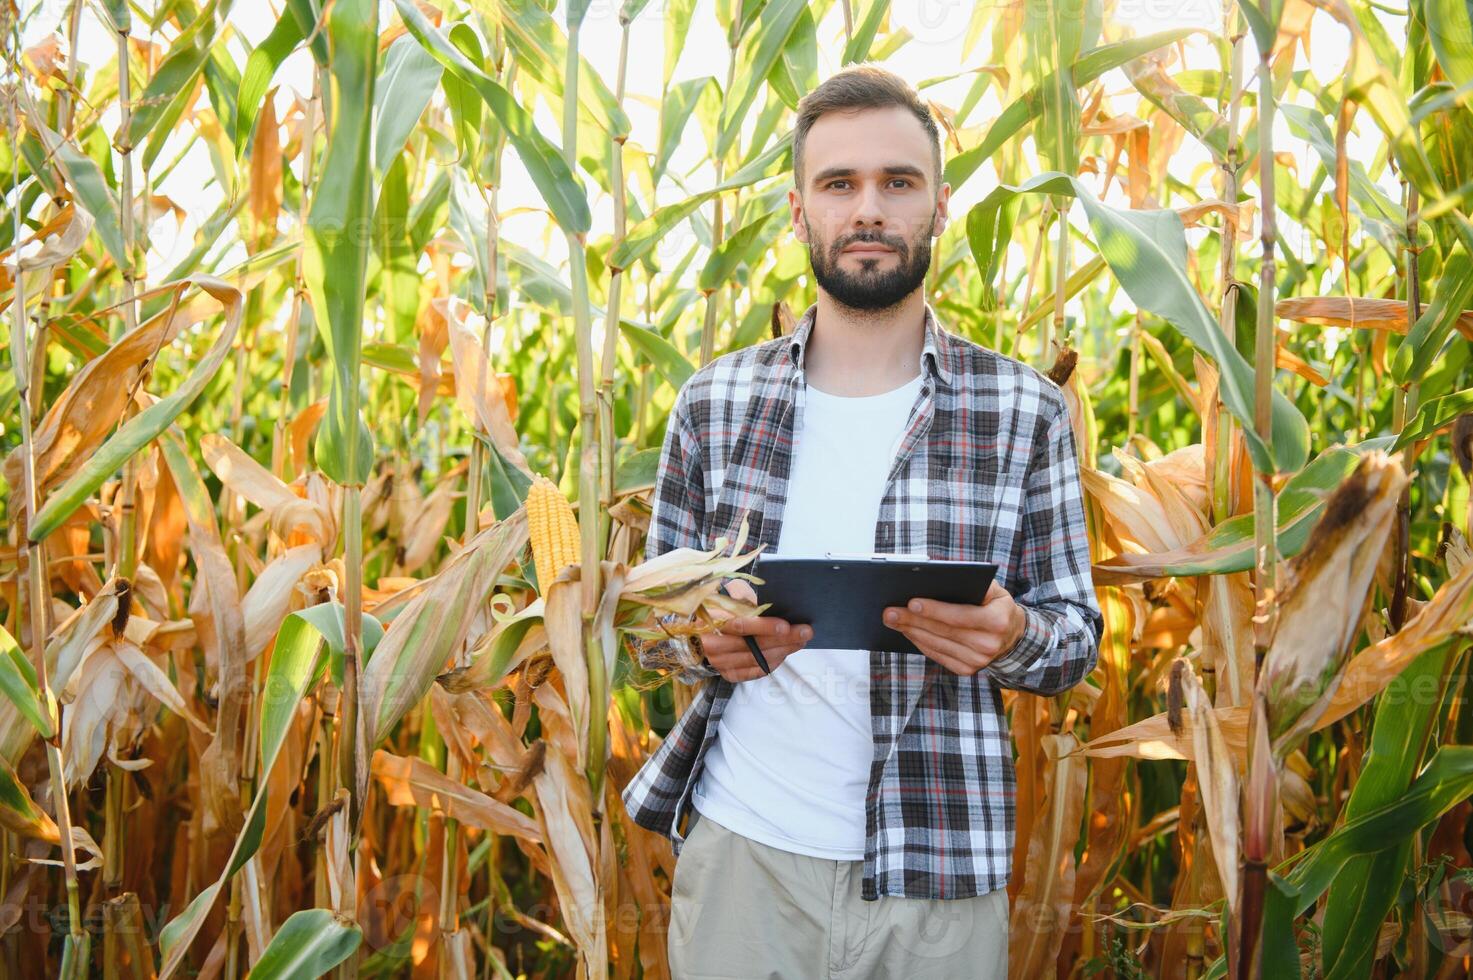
point(790, 765)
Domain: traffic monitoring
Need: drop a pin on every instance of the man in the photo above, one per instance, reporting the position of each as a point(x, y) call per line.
point(853, 810)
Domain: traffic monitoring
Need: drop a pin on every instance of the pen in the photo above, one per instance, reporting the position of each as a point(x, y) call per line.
point(751, 642)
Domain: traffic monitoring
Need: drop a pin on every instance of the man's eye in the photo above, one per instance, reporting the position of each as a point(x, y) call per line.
point(834, 184)
point(901, 181)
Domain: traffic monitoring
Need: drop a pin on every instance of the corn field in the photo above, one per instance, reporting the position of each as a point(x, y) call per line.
point(324, 529)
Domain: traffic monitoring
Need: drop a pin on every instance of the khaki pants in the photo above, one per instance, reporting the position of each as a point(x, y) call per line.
point(741, 910)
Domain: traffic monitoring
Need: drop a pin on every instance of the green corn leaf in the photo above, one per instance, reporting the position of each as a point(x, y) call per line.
point(544, 161)
point(91, 188)
point(1147, 251)
point(465, 104)
point(542, 51)
point(1415, 355)
point(116, 15)
point(1446, 781)
point(260, 69)
point(1280, 949)
point(637, 471)
point(1359, 901)
point(677, 15)
point(863, 39)
point(509, 483)
point(175, 75)
point(335, 259)
point(1052, 36)
point(1433, 415)
point(1029, 106)
point(644, 236)
point(19, 683)
point(742, 248)
point(675, 112)
point(796, 71)
point(1263, 20)
point(1451, 38)
point(672, 365)
point(762, 47)
point(410, 77)
point(309, 944)
point(1384, 218)
point(19, 814)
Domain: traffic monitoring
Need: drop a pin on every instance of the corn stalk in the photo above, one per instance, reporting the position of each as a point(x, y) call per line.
point(32, 555)
point(1261, 792)
point(1223, 502)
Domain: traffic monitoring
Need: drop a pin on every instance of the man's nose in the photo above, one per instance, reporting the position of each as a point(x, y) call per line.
point(868, 210)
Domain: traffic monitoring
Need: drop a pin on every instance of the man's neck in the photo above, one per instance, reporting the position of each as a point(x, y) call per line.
point(855, 353)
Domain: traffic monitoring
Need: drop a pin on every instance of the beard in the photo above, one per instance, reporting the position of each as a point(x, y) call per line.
point(870, 288)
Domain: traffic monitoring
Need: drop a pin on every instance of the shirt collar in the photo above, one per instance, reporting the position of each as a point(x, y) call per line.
point(937, 350)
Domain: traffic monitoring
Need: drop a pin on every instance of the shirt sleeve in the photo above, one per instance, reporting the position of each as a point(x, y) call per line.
point(675, 522)
point(1062, 622)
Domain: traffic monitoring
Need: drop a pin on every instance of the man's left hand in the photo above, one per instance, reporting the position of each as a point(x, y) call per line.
point(961, 637)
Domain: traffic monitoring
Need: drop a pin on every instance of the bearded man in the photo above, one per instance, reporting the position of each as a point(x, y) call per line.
point(851, 812)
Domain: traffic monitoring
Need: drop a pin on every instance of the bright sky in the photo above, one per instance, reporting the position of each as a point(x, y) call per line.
point(938, 29)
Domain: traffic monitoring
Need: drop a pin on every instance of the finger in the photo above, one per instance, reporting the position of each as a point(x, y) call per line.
point(776, 655)
point(735, 647)
point(979, 640)
point(757, 626)
point(950, 654)
point(995, 591)
point(746, 668)
point(740, 588)
point(954, 614)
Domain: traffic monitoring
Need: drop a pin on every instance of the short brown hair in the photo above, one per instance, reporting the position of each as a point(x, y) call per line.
point(862, 86)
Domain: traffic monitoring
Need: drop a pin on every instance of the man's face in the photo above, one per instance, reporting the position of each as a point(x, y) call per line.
point(869, 205)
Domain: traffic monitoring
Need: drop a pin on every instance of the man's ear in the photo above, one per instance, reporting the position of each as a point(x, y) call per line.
point(943, 210)
point(795, 213)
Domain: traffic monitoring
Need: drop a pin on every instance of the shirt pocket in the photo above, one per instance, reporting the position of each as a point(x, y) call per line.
point(977, 514)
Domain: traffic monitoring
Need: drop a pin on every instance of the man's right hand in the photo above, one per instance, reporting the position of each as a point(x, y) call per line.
point(727, 652)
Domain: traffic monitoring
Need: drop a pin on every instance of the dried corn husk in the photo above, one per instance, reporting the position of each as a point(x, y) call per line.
point(1321, 607)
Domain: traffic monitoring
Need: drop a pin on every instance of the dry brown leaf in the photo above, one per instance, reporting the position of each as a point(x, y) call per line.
point(301, 429)
point(414, 782)
point(432, 627)
point(83, 416)
point(265, 170)
point(289, 512)
point(477, 391)
point(1041, 911)
point(268, 601)
point(563, 619)
point(1217, 777)
point(1136, 515)
point(566, 815)
point(427, 525)
point(1357, 311)
point(153, 680)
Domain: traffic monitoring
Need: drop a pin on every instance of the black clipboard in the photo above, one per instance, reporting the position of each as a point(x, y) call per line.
point(844, 597)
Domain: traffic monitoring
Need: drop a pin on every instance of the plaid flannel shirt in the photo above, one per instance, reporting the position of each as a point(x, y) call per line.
point(986, 471)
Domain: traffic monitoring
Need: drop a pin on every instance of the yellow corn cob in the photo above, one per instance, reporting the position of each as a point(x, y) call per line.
point(553, 529)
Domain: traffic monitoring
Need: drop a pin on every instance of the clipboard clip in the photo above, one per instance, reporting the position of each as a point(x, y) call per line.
point(877, 556)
